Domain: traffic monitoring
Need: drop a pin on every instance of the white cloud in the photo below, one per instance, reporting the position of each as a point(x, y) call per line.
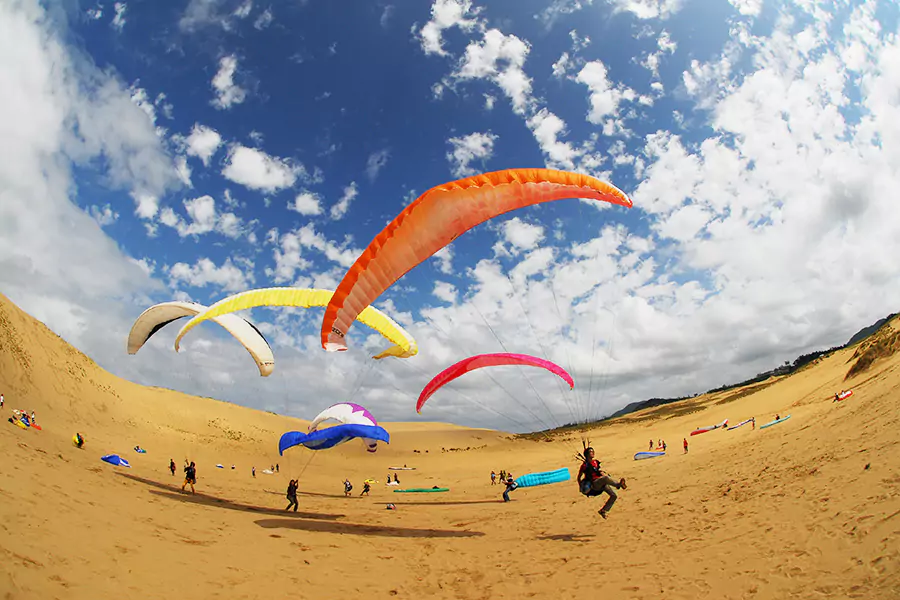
point(203, 218)
point(561, 66)
point(307, 204)
point(521, 235)
point(227, 92)
point(340, 208)
point(376, 162)
point(445, 291)
point(118, 21)
point(257, 170)
point(489, 102)
point(203, 142)
point(605, 97)
point(750, 8)
point(501, 59)
point(444, 258)
point(243, 10)
point(468, 148)
point(648, 9)
point(95, 13)
point(104, 216)
point(444, 15)
point(263, 20)
point(558, 8)
point(386, 14)
point(204, 272)
point(183, 171)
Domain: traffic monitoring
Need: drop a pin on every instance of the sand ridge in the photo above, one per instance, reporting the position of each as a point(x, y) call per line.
point(809, 508)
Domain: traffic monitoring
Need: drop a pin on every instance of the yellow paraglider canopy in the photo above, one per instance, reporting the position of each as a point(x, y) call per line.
point(404, 344)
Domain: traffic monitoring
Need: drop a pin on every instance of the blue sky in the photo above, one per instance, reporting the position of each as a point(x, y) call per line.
point(192, 149)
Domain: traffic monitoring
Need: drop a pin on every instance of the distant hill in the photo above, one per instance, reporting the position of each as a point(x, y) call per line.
point(867, 331)
point(786, 369)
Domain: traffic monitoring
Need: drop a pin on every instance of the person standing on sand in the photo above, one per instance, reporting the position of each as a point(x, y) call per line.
point(753, 421)
point(593, 481)
point(348, 487)
point(292, 494)
point(685, 445)
point(253, 471)
point(190, 476)
point(172, 466)
point(1, 400)
point(651, 445)
point(510, 486)
point(493, 478)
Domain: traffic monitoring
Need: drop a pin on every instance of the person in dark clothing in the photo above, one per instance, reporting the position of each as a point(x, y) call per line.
point(510, 486)
point(190, 476)
point(172, 466)
point(292, 494)
point(593, 481)
point(366, 488)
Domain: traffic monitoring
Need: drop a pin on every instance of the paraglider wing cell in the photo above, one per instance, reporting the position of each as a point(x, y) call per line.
point(488, 360)
point(438, 217)
point(158, 316)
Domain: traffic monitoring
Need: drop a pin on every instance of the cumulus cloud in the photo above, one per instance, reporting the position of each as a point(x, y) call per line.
point(228, 277)
point(340, 208)
point(307, 204)
point(203, 217)
point(227, 92)
point(444, 15)
point(467, 149)
point(257, 170)
point(203, 142)
point(376, 162)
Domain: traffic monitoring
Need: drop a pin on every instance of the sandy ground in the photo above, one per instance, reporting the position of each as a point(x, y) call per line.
point(809, 508)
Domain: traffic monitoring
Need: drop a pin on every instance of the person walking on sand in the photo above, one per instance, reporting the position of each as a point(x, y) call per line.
point(685, 445)
point(664, 445)
point(172, 466)
point(493, 478)
point(593, 481)
point(651, 445)
point(348, 487)
point(190, 477)
point(292, 494)
point(396, 479)
point(366, 489)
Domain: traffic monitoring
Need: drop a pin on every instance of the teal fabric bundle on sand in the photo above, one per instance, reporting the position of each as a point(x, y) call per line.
point(775, 422)
point(547, 477)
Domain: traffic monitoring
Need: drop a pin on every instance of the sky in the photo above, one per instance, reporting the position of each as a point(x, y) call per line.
point(191, 149)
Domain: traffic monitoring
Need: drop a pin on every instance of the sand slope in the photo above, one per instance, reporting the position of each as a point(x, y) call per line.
point(809, 508)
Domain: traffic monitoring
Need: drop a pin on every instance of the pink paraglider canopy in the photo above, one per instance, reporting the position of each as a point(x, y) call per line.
point(487, 360)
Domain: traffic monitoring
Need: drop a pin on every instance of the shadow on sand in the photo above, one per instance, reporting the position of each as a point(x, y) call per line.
point(174, 493)
point(566, 537)
point(361, 529)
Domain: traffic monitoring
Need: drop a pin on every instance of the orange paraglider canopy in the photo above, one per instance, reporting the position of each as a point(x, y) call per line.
point(438, 217)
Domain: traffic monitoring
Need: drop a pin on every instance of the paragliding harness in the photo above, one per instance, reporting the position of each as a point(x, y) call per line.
point(591, 471)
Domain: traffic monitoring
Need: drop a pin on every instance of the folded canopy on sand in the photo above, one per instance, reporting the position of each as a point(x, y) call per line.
point(115, 459)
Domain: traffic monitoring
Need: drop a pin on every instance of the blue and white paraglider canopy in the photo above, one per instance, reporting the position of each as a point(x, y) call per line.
point(331, 437)
point(115, 459)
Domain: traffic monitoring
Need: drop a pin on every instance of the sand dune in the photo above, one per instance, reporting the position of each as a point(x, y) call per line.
point(809, 508)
